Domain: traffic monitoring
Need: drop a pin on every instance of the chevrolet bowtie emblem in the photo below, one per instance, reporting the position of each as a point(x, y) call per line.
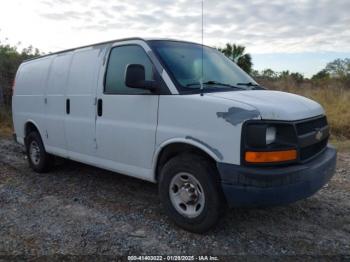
point(318, 135)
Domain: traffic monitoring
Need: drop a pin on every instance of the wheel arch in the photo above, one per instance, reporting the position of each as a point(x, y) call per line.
point(173, 147)
point(29, 127)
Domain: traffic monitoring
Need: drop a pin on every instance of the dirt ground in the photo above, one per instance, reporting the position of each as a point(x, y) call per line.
point(77, 209)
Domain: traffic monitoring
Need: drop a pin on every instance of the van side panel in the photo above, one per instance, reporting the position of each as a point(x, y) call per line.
point(81, 92)
point(29, 96)
point(55, 142)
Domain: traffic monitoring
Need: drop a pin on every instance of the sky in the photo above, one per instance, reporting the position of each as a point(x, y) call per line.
point(295, 35)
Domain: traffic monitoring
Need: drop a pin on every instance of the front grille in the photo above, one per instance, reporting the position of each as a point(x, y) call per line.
point(308, 129)
point(312, 150)
point(310, 126)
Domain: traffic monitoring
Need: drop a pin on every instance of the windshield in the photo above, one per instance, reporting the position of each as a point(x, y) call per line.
point(184, 61)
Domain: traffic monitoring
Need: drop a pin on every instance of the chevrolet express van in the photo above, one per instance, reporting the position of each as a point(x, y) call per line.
point(178, 114)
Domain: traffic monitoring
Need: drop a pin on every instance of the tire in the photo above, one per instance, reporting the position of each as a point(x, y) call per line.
point(39, 160)
point(196, 215)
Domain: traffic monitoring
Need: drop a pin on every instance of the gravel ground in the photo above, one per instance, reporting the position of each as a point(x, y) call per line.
point(77, 209)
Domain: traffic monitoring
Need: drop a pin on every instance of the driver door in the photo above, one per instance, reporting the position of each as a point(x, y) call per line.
point(126, 117)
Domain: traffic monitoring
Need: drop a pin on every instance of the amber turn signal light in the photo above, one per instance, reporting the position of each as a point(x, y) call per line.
point(271, 156)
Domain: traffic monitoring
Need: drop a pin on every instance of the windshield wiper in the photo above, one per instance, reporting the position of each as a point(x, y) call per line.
point(251, 84)
point(212, 83)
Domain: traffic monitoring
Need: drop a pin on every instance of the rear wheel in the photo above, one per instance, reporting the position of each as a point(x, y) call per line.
point(190, 192)
point(39, 160)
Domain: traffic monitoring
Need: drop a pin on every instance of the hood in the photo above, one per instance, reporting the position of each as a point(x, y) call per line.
point(275, 105)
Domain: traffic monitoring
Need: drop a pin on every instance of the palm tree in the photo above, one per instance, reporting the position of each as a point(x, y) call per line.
point(237, 55)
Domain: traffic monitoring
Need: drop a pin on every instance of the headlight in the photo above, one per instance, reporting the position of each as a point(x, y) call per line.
point(270, 135)
point(268, 142)
point(260, 135)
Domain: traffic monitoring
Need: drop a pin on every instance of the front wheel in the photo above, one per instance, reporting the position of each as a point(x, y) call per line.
point(190, 192)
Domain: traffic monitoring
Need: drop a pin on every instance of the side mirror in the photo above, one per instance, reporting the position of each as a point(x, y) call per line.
point(135, 77)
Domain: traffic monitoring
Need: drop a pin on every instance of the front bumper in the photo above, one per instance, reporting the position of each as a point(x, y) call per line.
point(269, 186)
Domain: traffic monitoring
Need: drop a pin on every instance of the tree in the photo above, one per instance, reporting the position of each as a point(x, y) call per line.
point(268, 74)
point(237, 55)
point(297, 77)
point(255, 73)
point(284, 74)
point(339, 68)
point(322, 75)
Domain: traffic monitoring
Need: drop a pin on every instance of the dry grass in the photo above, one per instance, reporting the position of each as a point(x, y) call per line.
point(341, 145)
point(337, 105)
point(334, 99)
point(336, 102)
point(5, 122)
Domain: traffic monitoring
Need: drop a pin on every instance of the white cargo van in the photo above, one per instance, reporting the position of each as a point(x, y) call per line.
point(178, 114)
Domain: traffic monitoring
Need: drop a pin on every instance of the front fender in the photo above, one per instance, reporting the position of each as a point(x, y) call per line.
point(209, 123)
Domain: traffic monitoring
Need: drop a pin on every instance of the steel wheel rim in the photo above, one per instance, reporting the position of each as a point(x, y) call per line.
point(34, 152)
point(187, 195)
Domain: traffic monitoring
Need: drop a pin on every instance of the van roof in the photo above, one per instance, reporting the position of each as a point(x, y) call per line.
point(107, 42)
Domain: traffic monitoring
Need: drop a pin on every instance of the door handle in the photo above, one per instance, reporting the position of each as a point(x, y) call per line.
point(67, 106)
point(99, 107)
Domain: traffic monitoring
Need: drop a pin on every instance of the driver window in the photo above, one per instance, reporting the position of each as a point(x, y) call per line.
point(120, 57)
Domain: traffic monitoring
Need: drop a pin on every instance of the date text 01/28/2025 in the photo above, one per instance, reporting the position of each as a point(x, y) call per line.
point(173, 258)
